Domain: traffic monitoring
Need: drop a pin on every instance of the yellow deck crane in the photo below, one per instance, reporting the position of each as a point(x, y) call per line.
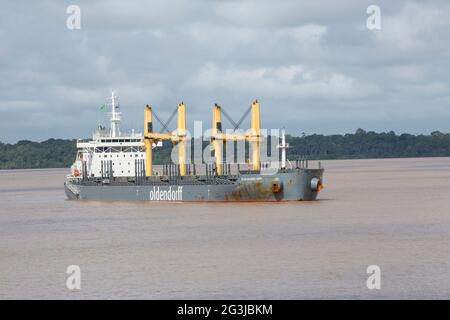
point(253, 136)
point(177, 137)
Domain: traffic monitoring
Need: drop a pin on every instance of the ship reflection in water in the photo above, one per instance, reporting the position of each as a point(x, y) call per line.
point(391, 213)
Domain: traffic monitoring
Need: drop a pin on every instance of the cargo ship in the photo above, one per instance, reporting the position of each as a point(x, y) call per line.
point(115, 165)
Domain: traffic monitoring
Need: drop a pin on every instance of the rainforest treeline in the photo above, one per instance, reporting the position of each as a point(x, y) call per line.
point(60, 153)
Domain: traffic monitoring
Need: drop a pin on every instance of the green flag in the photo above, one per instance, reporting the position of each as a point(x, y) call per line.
point(103, 107)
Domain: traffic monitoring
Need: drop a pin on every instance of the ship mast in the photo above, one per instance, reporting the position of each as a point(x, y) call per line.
point(115, 117)
point(283, 146)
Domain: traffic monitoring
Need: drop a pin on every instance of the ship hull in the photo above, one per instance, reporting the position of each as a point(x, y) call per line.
point(296, 184)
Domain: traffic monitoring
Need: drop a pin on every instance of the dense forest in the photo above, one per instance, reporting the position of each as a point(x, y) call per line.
point(52, 153)
point(362, 145)
point(57, 153)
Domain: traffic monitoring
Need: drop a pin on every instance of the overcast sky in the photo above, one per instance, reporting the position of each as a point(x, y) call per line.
point(314, 65)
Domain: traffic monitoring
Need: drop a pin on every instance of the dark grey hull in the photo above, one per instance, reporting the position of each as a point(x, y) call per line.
point(293, 184)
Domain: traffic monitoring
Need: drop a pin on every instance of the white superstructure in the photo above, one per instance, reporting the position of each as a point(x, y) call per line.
point(119, 149)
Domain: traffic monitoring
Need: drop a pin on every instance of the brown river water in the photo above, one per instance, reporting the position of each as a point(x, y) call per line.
point(394, 213)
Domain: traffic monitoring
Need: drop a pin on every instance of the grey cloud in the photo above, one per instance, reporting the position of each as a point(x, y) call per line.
point(313, 64)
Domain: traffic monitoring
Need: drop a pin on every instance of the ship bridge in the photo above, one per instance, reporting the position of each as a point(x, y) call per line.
point(110, 149)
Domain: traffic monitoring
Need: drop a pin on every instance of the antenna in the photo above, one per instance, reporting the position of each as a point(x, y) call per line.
point(283, 146)
point(115, 116)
